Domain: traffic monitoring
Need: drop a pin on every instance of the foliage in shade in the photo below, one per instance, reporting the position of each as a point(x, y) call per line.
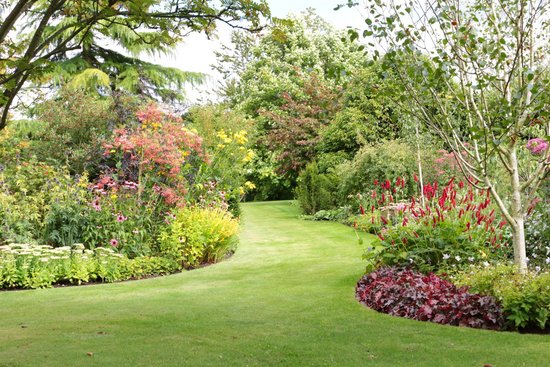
point(314, 191)
point(406, 293)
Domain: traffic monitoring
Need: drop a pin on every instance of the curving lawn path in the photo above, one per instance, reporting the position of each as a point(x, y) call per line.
point(286, 298)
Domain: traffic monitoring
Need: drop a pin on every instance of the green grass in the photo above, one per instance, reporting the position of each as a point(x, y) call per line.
point(286, 298)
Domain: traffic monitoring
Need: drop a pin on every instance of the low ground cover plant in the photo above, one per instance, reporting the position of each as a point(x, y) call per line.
point(410, 294)
point(40, 266)
point(525, 298)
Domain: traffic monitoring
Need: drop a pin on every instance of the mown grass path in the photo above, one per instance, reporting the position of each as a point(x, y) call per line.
point(286, 298)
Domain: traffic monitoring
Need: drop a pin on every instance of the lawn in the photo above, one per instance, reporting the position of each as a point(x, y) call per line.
point(286, 298)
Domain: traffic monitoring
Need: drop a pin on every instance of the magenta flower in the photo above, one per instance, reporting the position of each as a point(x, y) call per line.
point(96, 205)
point(121, 218)
point(537, 145)
point(114, 242)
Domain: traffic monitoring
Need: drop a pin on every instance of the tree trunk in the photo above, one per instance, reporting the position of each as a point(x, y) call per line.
point(517, 213)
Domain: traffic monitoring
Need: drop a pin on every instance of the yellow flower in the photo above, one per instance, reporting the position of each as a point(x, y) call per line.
point(241, 190)
point(249, 156)
point(114, 196)
point(240, 137)
point(249, 185)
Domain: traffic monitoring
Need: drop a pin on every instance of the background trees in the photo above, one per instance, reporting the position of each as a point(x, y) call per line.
point(36, 35)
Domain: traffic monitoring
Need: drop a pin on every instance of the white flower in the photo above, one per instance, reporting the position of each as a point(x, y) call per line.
point(485, 263)
point(471, 259)
point(537, 268)
point(548, 260)
point(446, 256)
point(458, 258)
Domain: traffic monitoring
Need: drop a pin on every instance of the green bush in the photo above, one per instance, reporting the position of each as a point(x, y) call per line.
point(537, 236)
point(199, 235)
point(385, 161)
point(28, 191)
point(314, 191)
point(525, 298)
point(76, 125)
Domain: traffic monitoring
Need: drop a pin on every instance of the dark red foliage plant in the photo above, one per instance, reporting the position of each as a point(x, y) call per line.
point(410, 294)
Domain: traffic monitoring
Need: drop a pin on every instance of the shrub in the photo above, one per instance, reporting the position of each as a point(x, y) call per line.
point(406, 293)
point(335, 215)
point(28, 192)
point(381, 162)
point(314, 191)
point(525, 298)
point(199, 235)
point(537, 235)
point(75, 126)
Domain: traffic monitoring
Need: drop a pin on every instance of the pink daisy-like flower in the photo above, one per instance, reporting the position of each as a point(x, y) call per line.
point(96, 205)
point(114, 242)
point(120, 218)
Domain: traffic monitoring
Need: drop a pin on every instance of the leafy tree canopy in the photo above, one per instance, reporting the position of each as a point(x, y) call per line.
point(261, 68)
point(41, 40)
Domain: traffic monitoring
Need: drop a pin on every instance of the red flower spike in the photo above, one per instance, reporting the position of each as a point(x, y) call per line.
point(384, 220)
point(362, 209)
point(415, 178)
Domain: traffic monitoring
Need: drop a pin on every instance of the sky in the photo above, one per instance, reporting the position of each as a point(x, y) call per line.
point(197, 52)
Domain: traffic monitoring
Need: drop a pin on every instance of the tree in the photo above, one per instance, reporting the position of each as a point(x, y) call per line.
point(268, 76)
point(262, 68)
point(296, 126)
point(77, 32)
point(476, 73)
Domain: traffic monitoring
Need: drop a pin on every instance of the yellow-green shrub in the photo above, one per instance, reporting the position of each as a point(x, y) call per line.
point(199, 235)
point(525, 298)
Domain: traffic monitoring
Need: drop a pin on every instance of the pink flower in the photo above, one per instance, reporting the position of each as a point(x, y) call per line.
point(537, 145)
point(114, 242)
point(120, 218)
point(96, 205)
